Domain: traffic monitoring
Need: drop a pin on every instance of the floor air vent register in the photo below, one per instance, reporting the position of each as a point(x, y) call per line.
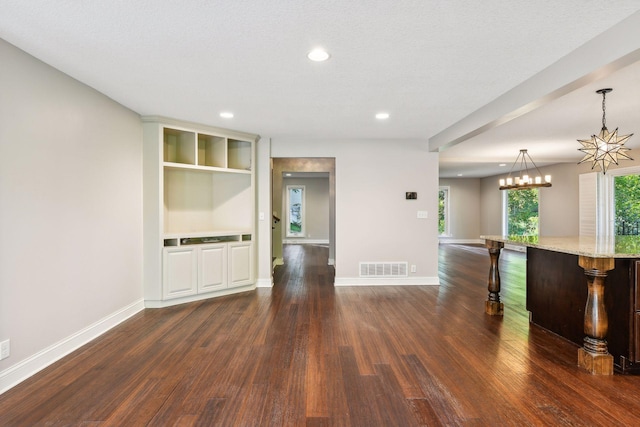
point(384, 269)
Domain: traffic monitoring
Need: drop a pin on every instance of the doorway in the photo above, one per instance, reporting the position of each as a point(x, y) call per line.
point(304, 168)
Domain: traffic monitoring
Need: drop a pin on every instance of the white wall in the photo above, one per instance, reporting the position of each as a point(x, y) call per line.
point(464, 209)
point(316, 209)
point(490, 207)
point(558, 205)
point(70, 212)
point(263, 190)
point(374, 222)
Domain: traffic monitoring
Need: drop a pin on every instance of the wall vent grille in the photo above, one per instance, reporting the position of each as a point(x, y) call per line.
point(384, 269)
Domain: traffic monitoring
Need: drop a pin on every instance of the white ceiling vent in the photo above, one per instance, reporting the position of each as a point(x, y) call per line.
point(384, 269)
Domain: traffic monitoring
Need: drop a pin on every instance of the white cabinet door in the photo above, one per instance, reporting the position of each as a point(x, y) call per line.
point(212, 268)
point(240, 263)
point(180, 272)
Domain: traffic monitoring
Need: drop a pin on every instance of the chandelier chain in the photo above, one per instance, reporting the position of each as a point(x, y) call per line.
point(604, 112)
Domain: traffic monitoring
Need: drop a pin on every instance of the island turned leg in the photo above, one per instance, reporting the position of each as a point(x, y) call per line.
point(594, 355)
point(493, 306)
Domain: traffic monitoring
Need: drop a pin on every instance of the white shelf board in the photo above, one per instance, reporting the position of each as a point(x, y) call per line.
point(211, 233)
point(187, 166)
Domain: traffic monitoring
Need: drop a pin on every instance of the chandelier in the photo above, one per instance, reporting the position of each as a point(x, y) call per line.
point(524, 180)
point(605, 148)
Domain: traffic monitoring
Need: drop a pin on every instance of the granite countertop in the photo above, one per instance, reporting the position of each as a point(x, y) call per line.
point(591, 246)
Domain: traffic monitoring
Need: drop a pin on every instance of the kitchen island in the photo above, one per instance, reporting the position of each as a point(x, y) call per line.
point(584, 289)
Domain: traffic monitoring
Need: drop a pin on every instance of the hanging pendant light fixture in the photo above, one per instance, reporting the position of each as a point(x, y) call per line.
point(524, 180)
point(605, 148)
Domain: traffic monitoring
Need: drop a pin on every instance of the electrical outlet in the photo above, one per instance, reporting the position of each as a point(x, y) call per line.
point(413, 268)
point(423, 214)
point(5, 349)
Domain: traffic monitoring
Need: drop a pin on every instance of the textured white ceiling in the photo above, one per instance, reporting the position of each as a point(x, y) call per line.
point(429, 63)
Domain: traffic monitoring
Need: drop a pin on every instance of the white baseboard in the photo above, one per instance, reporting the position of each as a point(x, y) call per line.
point(386, 281)
point(445, 240)
point(198, 297)
point(278, 261)
point(306, 241)
point(264, 283)
point(19, 372)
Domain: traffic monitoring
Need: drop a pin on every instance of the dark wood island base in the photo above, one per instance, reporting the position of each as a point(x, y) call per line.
point(492, 305)
point(594, 355)
point(595, 363)
point(599, 312)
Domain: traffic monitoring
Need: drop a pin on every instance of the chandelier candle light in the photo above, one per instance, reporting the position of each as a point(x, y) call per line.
point(524, 180)
point(604, 148)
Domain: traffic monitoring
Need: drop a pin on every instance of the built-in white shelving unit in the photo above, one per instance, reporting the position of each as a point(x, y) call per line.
point(199, 211)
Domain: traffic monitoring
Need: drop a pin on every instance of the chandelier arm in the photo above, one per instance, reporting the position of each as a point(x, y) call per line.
point(534, 165)
point(524, 162)
point(513, 166)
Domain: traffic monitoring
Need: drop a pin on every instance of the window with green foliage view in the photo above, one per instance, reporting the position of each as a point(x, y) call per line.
point(522, 212)
point(295, 211)
point(443, 211)
point(627, 204)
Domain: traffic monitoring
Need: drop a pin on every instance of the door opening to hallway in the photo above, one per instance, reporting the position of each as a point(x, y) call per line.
point(303, 204)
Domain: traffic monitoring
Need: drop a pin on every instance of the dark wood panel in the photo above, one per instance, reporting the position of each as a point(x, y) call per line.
point(620, 287)
point(307, 354)
point(557, 293)
point(635, 344)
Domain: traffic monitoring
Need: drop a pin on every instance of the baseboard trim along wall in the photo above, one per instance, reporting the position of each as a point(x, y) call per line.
point(150, 303)
point(386, 281)
point(22, 370)
point(446, 240)
point(264, 283)
point(305, 241)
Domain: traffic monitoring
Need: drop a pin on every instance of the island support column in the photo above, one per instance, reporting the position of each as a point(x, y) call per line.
point(493, 306)
point(594, 355)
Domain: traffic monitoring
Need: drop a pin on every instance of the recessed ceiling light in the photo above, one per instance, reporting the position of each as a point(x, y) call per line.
point(382, 116)
point(459, 174)
point(318, 55)
point(502, 164)
point(287, 174)
point(226, 115)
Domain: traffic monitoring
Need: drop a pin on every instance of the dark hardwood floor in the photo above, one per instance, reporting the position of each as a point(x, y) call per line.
point(308, 354)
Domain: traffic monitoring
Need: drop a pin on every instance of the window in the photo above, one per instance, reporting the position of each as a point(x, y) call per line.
point(443, 211)
point(618, 201)
point(626, 190)
point(295, 211)
point(521, 212)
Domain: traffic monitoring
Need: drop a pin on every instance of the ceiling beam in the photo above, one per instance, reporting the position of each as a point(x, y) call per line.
point(605, 54)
